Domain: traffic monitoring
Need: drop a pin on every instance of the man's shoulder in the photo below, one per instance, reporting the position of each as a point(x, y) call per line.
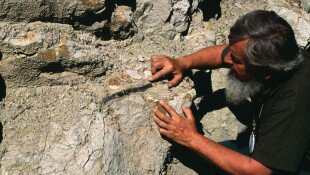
point(292, 95)
point(299, 81)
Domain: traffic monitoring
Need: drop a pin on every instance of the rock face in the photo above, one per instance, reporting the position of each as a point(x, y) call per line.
point(305, 4)
point(74, 89)
point(106, 19)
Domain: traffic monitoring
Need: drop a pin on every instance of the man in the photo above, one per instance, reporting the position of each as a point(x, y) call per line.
point(266, 65)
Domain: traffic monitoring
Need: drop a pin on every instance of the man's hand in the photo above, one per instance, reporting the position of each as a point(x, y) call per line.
point(177, 128)
point(162, 66)
point(183, 131)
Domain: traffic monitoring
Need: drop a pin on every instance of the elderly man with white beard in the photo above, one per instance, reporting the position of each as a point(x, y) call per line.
point(265, 65)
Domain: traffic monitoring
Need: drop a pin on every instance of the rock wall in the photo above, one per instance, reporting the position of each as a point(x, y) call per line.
point(74, 89)
point(107, 19)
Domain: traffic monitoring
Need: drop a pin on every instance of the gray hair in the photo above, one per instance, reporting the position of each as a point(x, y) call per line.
point(272, 45)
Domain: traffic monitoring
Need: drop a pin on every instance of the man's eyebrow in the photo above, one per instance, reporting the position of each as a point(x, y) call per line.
point(234, 58)
point(233, 54)
point(231, 51)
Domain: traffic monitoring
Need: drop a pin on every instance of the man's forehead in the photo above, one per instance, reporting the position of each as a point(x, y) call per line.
point(237, 48)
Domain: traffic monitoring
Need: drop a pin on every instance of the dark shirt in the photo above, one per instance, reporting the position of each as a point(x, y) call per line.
point(283, 133)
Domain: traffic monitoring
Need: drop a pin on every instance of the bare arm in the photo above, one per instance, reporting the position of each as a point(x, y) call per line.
point(209, 58)
point(226, 159)
point(183, 131)
point(162, 65)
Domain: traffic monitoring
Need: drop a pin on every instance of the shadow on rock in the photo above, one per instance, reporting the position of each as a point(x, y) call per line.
point(1, 132)
point(209, 101)
point(2, 96)
point(210, 9)
point(2, 88)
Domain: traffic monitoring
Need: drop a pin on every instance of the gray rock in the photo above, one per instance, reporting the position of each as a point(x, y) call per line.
point(77, 100)
point(107, 20)
point(305, 4)
point(43, 10)
point(179, 18)
point(49, 48)
point(121, 23)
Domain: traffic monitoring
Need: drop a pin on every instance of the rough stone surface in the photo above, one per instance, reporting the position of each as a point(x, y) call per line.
point(43, 10)
point(106, 19)
point(305, 4)
point(73, 74)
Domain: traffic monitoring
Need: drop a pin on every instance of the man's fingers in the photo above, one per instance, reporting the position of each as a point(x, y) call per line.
point(168, 108)
point(156, 63)
point(188, 114)
point(165, 132)
point(160, 123)
point(159, 74)
point(155, 69)
point(155, 66)
point(175, 81)
point(161, 66)
point(161, 116)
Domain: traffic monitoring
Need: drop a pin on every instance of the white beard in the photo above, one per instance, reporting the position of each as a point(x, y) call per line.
point(237, 91)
